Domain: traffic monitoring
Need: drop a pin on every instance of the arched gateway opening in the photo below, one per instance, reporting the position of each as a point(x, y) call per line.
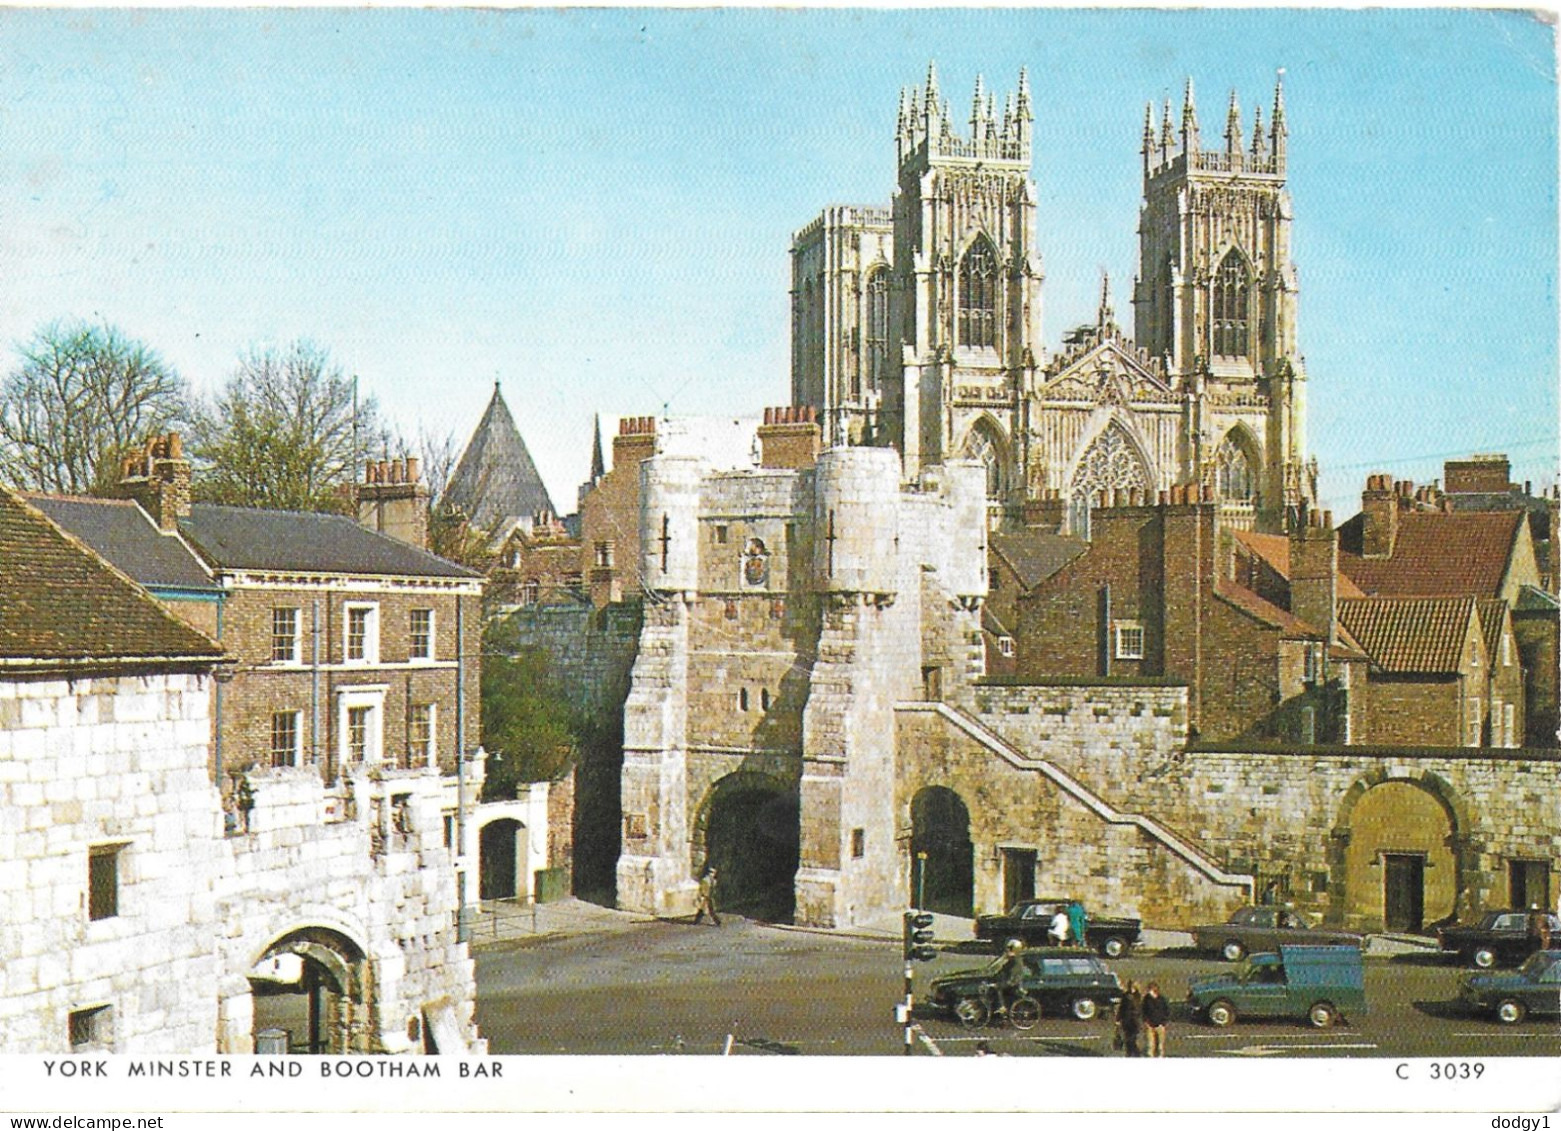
point(749, 829)
point(1400, 868)
point(311, 995)
point(942, 857)
point(501, 850)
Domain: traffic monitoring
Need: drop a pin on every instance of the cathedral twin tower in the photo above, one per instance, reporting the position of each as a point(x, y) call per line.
point(919, 325)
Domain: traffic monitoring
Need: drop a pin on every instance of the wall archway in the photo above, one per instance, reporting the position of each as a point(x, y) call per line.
point(1398, 854)
point(940, 827)
point(749, 828)
point(502, 859)
point(315, 985)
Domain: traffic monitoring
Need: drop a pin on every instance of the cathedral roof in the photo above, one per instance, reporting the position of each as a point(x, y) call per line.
point(496, 478)
point(1435, 554)
point(1423, 636)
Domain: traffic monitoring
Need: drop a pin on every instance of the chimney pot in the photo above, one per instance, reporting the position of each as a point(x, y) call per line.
point(414, 466)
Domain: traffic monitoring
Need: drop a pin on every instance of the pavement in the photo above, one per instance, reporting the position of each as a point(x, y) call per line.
point(514, 922)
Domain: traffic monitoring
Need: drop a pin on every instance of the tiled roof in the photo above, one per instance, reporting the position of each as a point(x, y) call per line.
point(1270, 614)
point(61, 602)
point(296, 541)
point(496, 478)
point(1034, 555)
point(125, 534)
point(1435, 554)
point(1275, 550)
point(1420, 635)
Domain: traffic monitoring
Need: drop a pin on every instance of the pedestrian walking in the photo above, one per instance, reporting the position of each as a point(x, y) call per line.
point(1156, 1011)
point(707, 884)
point(1130, 1019)
point(1059, 928)
point(1078, 923)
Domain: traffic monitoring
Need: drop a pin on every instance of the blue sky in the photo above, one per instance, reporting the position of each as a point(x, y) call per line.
point(596, 206)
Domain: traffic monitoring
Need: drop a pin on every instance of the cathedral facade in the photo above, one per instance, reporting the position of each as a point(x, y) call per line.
point(918, 326)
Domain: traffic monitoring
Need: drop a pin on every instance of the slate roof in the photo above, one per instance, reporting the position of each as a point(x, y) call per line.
point(1412, 635)
point(125, 534)
point(301, 542)
point(61, 602)
point(1035, 555)
point(1275, 550)
point(1435, 554)
point(496, 478)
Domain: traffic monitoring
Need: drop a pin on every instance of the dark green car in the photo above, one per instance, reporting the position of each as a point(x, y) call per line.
point(1317, 983)
point(1064, 980)
point(1532, 989)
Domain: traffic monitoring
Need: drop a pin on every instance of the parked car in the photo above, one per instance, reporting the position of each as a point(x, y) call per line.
point(1030, 921)
point(1532, 989)
point(1499, 938)
point(1254, 929)
point(1319, 984)
point(1065, 980)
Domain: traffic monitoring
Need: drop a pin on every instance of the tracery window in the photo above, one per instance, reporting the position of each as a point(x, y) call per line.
point(1234, 472)
point(1110, 463)
point(877, 328)
point(978, 296)
point(1230, 307)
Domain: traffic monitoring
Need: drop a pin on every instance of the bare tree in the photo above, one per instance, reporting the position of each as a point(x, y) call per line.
point(82, 397)
point(287, 432)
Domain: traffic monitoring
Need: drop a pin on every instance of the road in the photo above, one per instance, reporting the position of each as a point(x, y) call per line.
point(667, 987)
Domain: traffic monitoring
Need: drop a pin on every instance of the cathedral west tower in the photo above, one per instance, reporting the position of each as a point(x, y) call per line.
point(1215, 301)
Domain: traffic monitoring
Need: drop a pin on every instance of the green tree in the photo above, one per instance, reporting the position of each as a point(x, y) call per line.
point(287, 432)
point(528, 727)
point(82, 397)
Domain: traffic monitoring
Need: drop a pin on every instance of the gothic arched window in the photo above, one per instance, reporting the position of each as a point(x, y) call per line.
point(1230, 306)
point(1234, 472)
point(877, 328)
point(978, 295)
point(1109, 464)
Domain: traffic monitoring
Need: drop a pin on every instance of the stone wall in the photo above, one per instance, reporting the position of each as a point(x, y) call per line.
point(367, 863)
point(107, 761)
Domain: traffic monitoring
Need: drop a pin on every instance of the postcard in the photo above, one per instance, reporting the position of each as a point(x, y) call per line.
point(556, 559)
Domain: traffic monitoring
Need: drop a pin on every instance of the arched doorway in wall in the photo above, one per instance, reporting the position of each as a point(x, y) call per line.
point(502, 859)
point(311, 993)
point(942, 856)
point(749, 829)
point(1400, 869)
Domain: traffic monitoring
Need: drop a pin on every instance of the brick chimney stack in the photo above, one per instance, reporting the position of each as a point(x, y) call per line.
point(634, 443)
point(1379, 517)
point(158, 480)
point(789, 437)
point(393, 500)
point(1314, 572)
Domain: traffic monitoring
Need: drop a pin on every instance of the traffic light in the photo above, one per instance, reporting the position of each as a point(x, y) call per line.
point(918, 937)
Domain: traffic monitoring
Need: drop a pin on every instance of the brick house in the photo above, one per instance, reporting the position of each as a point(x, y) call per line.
point(1417, 543)
point(1017, 561)
point(352, 646)
point(1152, 599)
